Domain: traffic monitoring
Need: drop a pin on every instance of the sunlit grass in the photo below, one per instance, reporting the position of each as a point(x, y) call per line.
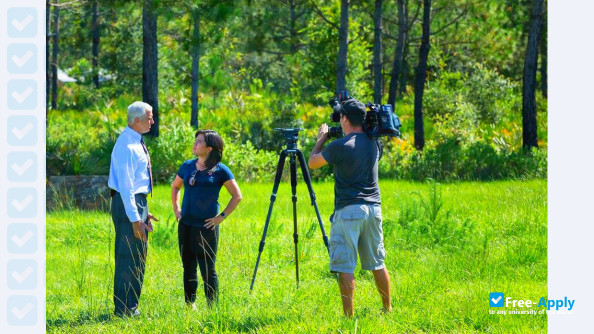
point(448, 246)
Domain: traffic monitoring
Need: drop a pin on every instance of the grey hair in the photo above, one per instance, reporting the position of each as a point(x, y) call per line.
point(137, 109)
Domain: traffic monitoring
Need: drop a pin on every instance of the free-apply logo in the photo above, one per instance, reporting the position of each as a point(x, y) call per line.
point(496, 299)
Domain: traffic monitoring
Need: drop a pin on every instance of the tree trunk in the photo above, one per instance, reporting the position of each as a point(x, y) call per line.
point(113, 55)
point(421, 76)
point(48, 73)
point(404, 75)
point(398, 54)
point(95, 34)
point(529, 82)
point(543, 59)
point(343, 40)
point(292, 27)
point(150, 62)
point(377, 53)
point(195, 68)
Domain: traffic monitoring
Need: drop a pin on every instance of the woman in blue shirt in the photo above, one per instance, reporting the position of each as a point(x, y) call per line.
point(199, 218)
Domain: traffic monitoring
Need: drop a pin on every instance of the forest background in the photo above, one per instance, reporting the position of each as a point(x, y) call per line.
point(468, 80)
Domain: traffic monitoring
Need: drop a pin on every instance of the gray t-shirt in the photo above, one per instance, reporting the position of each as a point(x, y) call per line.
point(355, 158)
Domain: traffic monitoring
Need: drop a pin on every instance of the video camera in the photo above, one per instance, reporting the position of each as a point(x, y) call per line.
point(380, 120)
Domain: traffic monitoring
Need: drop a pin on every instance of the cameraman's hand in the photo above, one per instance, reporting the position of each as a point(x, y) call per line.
point(323, 132)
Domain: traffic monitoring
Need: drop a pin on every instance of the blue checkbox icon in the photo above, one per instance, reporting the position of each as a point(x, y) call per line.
point(21, 130)
point(496, 299)
point(22, 166)
point(21, 203)
point(21, 274)
point(22, 22)
point(22, 58)
point(21, 238)
point(22, 310)
point(22, 94)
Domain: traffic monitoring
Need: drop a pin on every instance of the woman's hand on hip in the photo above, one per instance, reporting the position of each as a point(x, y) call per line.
point(211, 223)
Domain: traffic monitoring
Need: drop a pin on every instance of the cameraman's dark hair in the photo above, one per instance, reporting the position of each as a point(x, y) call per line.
point(354, 120)
point(213, 140)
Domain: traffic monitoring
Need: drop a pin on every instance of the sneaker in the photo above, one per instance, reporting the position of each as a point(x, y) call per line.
point(131, 314)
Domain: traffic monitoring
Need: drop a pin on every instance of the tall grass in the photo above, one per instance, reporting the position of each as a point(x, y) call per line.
point(448, 246)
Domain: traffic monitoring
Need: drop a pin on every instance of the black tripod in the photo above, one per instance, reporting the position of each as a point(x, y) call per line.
point(291, 151)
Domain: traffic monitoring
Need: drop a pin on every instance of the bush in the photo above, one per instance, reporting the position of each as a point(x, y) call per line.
point(424, 221)
point(457, 148)
point(481, 95)
point(453, 159)
point(249, 164)
point(170, 150)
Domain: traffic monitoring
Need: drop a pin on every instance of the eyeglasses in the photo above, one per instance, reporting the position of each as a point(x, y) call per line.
point(192, 180)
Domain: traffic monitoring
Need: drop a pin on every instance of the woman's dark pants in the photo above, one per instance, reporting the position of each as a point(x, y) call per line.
point(198, 247)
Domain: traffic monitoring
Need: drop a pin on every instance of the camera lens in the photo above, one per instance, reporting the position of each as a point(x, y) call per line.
point(335, 131)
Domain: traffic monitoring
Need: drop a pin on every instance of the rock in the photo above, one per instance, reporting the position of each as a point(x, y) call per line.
point(86, 192)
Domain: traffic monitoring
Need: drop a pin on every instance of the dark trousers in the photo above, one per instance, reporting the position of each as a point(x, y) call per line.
point(198, 247)
point(130, 256)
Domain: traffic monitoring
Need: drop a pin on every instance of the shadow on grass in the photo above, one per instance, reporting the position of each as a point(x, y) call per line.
point(83, 318)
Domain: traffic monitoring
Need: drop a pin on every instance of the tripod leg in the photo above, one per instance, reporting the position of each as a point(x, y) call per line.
point(312, 195)
point(294, 198)
point(277, 178)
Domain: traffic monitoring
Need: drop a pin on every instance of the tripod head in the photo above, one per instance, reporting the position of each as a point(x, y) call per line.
point(291, 136)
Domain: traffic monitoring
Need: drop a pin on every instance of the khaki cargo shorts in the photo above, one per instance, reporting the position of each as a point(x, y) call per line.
point(357, 229)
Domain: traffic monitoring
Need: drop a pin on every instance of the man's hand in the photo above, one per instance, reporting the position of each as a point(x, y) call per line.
point(139, 230)
point(323, 132)
point(150, 226)
point(177, 214)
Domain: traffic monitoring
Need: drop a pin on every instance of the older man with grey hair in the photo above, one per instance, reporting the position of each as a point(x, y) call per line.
point(130, 180)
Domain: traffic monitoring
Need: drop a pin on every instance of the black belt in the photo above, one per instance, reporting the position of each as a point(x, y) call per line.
point(113, 192)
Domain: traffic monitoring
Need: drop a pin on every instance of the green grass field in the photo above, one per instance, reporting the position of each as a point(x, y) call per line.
point(448, 246)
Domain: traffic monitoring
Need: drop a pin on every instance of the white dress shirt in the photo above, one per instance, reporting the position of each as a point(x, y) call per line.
point(128, 172)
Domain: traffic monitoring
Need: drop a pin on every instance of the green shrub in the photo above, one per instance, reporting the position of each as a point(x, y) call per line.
point(170, 150)
point(424, 221)
point(250, 164)
point(481, 95)
point(457, 147)
point(454, 159)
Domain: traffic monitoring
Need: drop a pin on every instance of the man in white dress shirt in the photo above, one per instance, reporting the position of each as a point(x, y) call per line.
point(130, 180)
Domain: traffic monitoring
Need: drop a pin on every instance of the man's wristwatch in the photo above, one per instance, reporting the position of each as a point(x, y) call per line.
point(223, 215)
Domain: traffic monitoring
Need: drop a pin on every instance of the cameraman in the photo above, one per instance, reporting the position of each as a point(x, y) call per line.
point(357, 218)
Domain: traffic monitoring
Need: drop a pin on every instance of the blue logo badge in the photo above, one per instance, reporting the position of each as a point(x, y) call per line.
point(496, 299)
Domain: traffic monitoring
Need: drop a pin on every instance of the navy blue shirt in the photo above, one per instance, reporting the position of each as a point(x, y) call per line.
point(355, 158)
point(201, 201)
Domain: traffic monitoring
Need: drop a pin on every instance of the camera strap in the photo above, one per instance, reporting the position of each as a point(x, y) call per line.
point(380, 148)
